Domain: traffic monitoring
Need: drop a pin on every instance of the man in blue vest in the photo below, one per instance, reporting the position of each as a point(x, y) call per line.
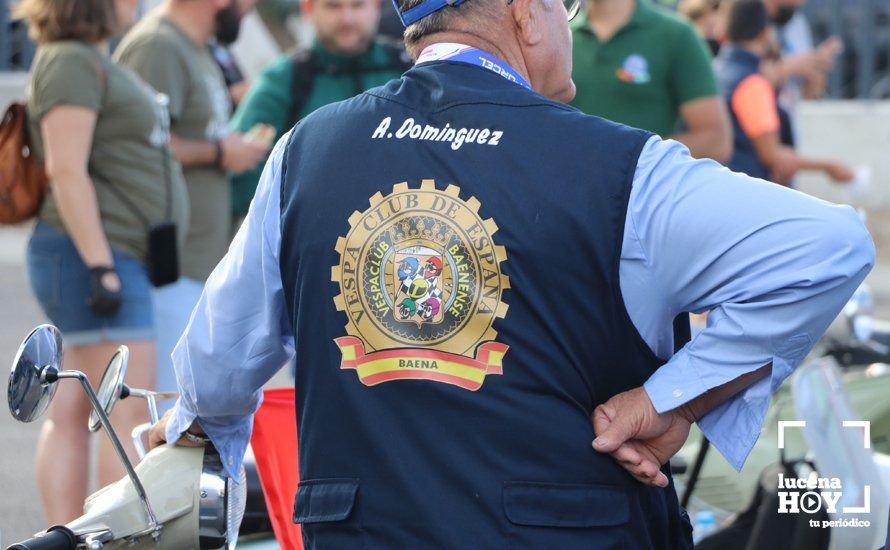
point(558, 247)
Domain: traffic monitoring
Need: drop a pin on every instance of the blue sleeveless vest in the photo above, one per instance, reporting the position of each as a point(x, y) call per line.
point(449, 256)
point(733, 66)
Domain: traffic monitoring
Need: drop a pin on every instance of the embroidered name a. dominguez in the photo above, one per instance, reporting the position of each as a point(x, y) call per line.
point(455, 137)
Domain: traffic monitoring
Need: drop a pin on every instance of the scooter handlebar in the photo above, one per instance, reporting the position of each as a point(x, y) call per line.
point(58, 537)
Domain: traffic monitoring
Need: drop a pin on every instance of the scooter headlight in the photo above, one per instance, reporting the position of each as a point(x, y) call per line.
point(221, 504)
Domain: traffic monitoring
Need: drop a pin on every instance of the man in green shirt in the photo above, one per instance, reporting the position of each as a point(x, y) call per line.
point(641, 65)
point(344, 60)
point(169, 49)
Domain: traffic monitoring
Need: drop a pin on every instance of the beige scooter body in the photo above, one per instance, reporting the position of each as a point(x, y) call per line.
point(176, 498)
point(171, 476)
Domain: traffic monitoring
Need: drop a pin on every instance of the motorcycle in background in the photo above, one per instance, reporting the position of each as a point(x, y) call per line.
point(845, 378)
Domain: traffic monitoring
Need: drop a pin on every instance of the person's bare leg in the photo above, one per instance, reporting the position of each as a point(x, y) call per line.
point(128, 413)
point(62, 459)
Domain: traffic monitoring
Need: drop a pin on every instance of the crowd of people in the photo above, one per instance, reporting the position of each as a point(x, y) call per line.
point(153, 167)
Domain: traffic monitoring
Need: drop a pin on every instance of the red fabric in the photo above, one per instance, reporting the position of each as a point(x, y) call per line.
point(274, 443)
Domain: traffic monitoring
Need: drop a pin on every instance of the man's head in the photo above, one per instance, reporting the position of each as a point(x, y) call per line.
point(408, 268)
point(747, 22)
point(781, 11)
point(228, 18)
point(84, 20)
point(223, 15)
point(345, 27)
point(532, 32)
point(433, 267)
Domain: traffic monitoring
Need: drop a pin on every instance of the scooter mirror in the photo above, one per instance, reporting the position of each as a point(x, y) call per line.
point(111, 385)
point(33, 380)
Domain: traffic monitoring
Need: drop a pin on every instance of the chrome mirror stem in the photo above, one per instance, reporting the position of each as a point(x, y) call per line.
point(153, 408)
point(152, 399)
point(136, 434)
point(140, 490)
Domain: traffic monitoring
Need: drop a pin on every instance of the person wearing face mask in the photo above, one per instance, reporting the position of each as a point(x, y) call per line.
point(759, 150)
point(344, 60)
point(801, 71)
point(168, 48)
point(548, 252)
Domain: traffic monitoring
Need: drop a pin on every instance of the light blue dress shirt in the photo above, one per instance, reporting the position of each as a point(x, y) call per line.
point(771, 265)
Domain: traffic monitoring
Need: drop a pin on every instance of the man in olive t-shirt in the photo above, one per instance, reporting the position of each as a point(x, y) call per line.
point(641, 65)
point(168, 49)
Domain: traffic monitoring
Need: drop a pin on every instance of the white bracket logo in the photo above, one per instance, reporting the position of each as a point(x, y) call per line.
point(793, 501)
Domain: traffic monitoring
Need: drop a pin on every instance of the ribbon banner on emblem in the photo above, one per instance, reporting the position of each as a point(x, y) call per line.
point(421, 364)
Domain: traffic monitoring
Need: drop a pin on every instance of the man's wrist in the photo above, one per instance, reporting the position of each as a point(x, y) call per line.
point(196, 435)
point(218, 156)
point(689, 412)
point(196, 429)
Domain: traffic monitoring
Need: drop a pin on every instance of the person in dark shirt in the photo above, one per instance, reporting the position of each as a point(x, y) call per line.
point(759, 151)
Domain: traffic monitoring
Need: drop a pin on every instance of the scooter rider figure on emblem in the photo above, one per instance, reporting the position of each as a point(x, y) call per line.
point(477, 284)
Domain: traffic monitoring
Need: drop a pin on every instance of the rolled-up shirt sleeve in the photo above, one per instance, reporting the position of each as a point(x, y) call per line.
point(772, 266)
point(238, 336)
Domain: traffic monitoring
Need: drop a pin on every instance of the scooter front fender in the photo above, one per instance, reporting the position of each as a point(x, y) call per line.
point(171, 476)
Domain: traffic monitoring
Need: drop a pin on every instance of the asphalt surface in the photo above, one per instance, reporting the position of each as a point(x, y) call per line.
point(20, 512)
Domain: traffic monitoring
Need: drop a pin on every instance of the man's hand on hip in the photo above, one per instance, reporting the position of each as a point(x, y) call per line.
point(641, 440)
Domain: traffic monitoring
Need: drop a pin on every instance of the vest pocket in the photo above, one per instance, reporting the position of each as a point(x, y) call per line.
point(561, 515)
point(325, 508)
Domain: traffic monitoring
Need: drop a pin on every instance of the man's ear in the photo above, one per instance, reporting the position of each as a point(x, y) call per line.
point(527, 20)
point(306, 8)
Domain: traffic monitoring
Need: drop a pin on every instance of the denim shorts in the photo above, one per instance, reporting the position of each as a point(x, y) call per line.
point(61, 283)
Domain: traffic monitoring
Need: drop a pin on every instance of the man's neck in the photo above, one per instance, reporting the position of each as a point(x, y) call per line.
point(191, 18)
point(331, 48)
point(507, 52)
point(607, 17)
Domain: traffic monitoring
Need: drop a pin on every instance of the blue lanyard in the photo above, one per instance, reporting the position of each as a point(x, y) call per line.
point(475, 56)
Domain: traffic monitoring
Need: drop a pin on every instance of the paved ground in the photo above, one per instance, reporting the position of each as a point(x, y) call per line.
point(20, 513)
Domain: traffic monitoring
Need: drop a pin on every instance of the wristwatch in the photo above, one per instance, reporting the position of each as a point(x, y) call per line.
point(195, 438)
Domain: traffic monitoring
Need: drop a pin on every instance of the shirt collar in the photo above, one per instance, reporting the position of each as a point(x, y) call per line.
point(461, 53)
point(440, 50)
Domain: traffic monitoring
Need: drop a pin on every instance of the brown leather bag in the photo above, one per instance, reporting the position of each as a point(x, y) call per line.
point(23, 181)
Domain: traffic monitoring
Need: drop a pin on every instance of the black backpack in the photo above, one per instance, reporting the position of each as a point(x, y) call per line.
point(304, 69)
